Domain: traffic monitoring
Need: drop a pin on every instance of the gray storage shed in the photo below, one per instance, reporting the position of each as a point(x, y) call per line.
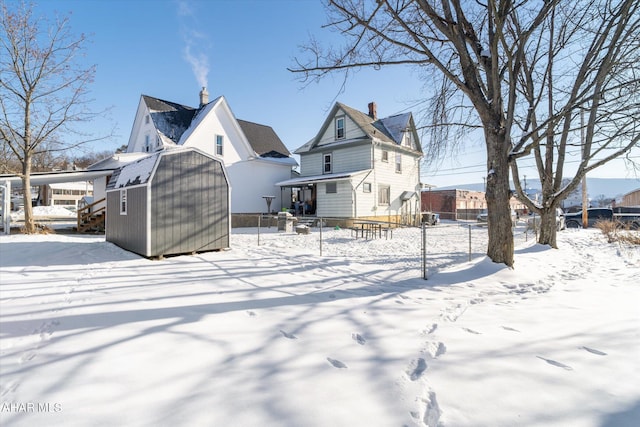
point(171, 202)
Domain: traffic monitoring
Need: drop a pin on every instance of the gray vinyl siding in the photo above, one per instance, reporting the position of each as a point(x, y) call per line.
point(189, 214)
point(128, 231)
point(344, 159)
point(183, 208)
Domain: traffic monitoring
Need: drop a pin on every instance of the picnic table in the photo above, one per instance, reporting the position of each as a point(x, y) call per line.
point(366, 228)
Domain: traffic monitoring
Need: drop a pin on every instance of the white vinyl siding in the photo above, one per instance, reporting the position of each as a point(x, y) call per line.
point(338, 204)
point(351, 130)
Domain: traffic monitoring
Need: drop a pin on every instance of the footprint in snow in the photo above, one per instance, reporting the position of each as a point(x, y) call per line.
point(507, 328)
point(416, 369)
point(251, 313)
point(471, 331)
point(336, 363)
point(288, 335)
point(431, 329)
point(594, 351)
point(358, 338)
point(435, 349)
point(558, 364)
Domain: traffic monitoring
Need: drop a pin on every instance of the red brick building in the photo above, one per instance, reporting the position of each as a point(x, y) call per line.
point(458, 204)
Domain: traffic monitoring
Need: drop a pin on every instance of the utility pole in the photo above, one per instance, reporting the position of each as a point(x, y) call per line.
point(585, 201)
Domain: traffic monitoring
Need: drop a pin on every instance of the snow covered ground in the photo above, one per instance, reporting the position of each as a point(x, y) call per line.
point(277, 335)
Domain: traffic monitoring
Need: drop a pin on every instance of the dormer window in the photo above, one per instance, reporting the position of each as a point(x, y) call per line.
point(340, 127)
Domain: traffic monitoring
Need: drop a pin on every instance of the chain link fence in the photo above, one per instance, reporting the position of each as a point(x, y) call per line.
point(424, 250)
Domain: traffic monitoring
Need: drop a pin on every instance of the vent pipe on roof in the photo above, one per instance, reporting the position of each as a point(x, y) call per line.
point(204, 97)
point(373, 112)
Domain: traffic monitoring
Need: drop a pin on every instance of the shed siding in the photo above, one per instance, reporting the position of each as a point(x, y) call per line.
point(189, 205)
point(128, 231)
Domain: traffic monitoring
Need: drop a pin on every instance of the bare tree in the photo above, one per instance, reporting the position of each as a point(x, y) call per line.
point(43, 89)
point(477, 56)
point(581, 88)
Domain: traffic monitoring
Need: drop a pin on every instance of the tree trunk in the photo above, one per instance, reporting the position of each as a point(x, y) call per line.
point(500, 247)
point(548, 227)
point(29, 224)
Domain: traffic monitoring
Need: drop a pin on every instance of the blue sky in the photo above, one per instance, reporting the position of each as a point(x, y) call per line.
point(143, 47)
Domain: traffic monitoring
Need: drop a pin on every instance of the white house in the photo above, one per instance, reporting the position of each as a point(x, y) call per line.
point(359, 166)
point(254, 156)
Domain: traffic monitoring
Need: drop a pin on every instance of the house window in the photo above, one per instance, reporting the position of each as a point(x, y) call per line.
point(398, 163)
point(331, 187)
point(366, 187)
point(385, 156)
point(123, 202)
point(384, 194)
point(219, 145)
point(146, 119)
point(146, 143)
point(326, 163)
point(407, 138)
point(339, 127)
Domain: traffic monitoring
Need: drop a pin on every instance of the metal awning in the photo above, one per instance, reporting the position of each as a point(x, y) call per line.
point(306, 180)
point(407, 195)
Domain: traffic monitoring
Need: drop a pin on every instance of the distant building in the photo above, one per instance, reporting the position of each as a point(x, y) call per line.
point(459, 204)
point(65, 194)
point(631, 199)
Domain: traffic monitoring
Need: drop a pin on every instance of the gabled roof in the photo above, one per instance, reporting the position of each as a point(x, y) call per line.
point(263, 139)
point(387, 130)
point(173, 120)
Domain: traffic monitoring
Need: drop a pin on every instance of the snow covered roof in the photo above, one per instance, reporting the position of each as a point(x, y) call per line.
point(117, 161)
point(135, 173)
point(172, 121)
point(396, 125)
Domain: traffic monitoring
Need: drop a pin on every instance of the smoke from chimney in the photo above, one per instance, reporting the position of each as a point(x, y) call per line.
point(373, 111)
point(204, 97)
point(196, 43)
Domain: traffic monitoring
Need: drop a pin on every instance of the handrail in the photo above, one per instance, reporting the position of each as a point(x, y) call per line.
point(85, 212)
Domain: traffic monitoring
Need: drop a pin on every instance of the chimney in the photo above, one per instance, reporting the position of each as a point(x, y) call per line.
point(373, 112)
point(204, 97)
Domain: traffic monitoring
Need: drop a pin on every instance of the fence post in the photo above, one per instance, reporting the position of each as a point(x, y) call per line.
point(259, 229)
point(424, 251)
point(320, 224)
point(469, 242)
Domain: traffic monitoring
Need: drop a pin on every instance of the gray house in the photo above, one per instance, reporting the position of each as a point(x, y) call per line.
point(170, 202)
